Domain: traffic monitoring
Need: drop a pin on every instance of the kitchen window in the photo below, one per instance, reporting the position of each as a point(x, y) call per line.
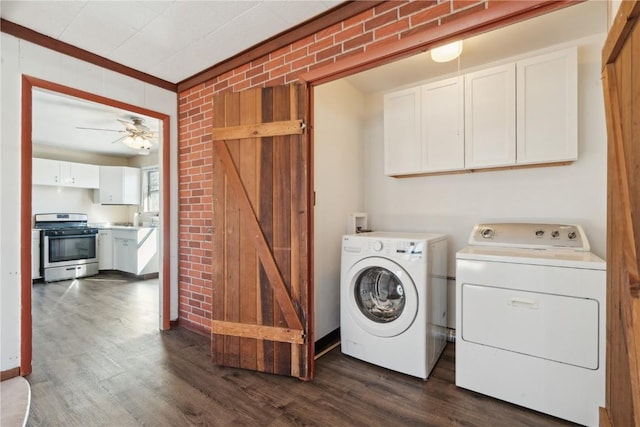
point(151, 189)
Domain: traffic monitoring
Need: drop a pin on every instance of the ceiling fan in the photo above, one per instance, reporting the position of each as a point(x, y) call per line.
point(138, 136)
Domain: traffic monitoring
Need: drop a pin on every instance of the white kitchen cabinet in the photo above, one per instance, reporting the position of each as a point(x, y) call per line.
point(45, 172)
point(442, 125)
point(547, 110)
point(135, 250)
point(490, 117)
point(119, 185)
point(402, 132)
point(124, 254)
point(65, 174)
point(35, 254)
point(105, 250)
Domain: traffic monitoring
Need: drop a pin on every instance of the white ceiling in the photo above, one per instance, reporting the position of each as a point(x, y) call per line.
point(169, 39)
point(56, 118)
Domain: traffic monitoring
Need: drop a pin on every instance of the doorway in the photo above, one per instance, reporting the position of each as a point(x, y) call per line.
point(30, 84)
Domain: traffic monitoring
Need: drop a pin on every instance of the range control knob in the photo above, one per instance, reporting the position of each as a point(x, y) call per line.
point(572, 235)
point(487, 233)
point(539, 233)
point(555, 233)
point(377, 246)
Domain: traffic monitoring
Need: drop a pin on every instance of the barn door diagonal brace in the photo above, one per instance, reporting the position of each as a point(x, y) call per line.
point(254, 232)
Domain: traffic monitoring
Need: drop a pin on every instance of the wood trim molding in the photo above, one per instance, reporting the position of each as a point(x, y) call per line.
point(26, 154)
point(499, 14)
point(34, 37)
point(623, 23)
point(330, 17)
point(9, 373)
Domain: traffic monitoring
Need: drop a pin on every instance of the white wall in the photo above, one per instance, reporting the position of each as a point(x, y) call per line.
point(20, 57)
point(452, 204)
point(338, 178)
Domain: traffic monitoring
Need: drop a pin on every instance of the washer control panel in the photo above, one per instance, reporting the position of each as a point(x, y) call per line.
point(530, 235)
point(380, 245)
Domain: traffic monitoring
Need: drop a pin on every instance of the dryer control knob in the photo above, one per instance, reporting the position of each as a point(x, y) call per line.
point(377, 246)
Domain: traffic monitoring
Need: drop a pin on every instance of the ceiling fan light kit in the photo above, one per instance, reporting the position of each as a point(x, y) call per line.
point(139, 137)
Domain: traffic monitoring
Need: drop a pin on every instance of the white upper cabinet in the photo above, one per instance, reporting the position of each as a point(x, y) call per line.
point(119, 185)
point(547, 118)
point(490, 117)
point(45, 172)
point(522, 112)
point(442, 121)
point(402, 132)
point(65, 174)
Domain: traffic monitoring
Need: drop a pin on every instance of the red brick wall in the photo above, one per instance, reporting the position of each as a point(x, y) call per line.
point(386, 23)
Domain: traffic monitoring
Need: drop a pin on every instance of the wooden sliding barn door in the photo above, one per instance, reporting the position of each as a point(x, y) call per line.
point(261, 214)
point(621, 81)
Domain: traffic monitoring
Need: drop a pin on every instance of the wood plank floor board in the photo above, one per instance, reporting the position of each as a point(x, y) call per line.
point(99, 360)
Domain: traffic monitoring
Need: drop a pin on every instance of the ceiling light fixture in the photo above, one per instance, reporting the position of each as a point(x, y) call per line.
point(139, 136)
point(447, 53)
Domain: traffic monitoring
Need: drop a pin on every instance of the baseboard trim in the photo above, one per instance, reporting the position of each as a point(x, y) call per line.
point(9, 373)
point(326, 343)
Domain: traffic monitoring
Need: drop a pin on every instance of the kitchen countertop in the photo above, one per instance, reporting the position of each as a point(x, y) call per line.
point(104, 226)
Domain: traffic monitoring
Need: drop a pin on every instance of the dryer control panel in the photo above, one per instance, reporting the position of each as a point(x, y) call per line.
point(530, 235)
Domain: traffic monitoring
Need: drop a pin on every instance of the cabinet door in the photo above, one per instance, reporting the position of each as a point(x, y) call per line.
point(547, 118)
point(130, 186)
point(402, 132)
point(490, 117)
point(124, 255)
point(442, 106)
point(119, 185)
point(105, 250)
point(84, 176)
point(45, 172)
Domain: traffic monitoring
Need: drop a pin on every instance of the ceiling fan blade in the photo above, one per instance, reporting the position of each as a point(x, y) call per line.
point(119, 139)
point(106, 130)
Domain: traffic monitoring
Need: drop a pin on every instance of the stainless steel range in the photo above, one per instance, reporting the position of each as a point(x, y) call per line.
point(68, 246)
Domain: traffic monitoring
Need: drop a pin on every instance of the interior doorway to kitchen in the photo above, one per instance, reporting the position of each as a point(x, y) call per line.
point(69, 95)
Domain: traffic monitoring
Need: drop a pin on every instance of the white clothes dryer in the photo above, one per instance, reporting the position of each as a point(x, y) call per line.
point(530, 318)
point(393, 305)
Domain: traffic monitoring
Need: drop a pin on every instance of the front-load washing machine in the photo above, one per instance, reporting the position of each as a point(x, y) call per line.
point(393, 305)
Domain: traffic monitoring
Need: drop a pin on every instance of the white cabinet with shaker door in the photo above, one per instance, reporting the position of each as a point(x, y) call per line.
point(547, 112)
point(119, 185)
point(64, 174)
point(490, 117)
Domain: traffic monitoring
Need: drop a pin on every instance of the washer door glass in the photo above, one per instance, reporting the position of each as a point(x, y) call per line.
point(379, 295)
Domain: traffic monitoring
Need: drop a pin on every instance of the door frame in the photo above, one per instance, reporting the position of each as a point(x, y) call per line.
point(26, 152)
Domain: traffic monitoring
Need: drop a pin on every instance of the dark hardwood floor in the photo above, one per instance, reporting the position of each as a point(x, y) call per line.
point(99, 360)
